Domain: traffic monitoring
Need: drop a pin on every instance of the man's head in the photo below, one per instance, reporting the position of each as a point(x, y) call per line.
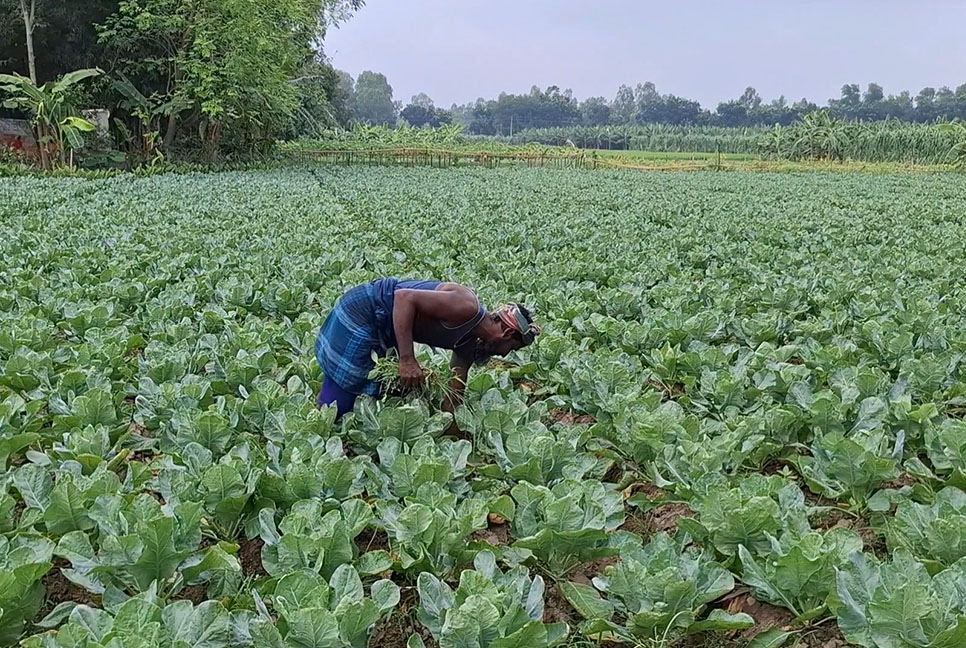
point(506, 329)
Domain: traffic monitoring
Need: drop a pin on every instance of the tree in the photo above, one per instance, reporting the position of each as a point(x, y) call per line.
point(61, 34)
point(873, 94)
point(343, 98)
point(680, 111)
point(945, 102)
point(28, 13)
point(423, 101)
point(750, 98)
point(850, 95)
point(538, 109)
point(900, 106)
point(645, 93)
point(422, 112)
point(322, 102)
point(732, 113)
point(926, 105)
point(221, 69)
point(418, 116)
point(373, 99)
point(481, 121)
point(595, 111)
point(624, 108)
point(461, 114)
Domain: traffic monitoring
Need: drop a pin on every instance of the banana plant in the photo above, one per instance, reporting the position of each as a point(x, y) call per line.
point(958, 150)
point(54, 118)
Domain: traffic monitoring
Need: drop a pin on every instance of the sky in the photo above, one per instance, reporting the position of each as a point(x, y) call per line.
point(459, 50)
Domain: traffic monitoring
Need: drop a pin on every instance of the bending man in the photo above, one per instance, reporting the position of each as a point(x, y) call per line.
point(393, 314)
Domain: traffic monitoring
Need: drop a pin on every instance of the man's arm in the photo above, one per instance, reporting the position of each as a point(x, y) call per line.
point(460, 367)
point(450, 303)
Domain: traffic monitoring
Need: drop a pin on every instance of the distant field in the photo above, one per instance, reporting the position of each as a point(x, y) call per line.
point(677, 155)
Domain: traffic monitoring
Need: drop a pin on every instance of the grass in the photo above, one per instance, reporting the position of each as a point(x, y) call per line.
point(682, 161)
point(675, 155)
point(642, 160)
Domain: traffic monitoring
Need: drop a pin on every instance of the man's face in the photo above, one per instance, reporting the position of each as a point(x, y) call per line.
point(504, 343)
point(501, 346)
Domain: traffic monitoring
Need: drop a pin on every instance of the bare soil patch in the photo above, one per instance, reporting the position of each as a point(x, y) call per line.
point(556, 609)
point(568, 417)
point(59, 589)
point(496, 534)
point(372, 540)
point(395, 630)
point(250, 557)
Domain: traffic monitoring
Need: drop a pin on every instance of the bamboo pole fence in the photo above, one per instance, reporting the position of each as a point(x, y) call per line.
point(442, 158)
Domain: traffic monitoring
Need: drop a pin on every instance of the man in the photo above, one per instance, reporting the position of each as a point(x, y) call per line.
point(394, 313)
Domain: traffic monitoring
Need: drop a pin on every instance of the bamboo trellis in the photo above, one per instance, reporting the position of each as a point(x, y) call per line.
point(445, 158)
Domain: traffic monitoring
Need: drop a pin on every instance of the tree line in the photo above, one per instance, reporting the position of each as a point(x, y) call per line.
point(643, 104)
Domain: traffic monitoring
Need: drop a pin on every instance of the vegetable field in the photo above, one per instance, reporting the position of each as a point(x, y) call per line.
point(743, 424)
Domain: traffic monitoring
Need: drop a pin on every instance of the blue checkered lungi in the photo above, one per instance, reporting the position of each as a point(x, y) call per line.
point(360, 324)
point(353, 330)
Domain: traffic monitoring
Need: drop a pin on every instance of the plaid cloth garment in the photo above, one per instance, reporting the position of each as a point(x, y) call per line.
point(348, 337)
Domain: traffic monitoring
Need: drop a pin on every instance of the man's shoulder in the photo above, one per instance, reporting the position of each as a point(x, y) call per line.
point(469, 302)
point(459, 290)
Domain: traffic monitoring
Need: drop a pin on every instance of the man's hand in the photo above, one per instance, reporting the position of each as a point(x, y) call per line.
point(450, 304)
point(410, 373)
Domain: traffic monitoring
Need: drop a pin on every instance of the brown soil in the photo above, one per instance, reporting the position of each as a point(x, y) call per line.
point(871, 539)
point(766, 616)
point(650, 490)
point(955, 411)
point(665, 517)
point(556, 609)
point(139, 430)
point(394, 631)
point(59, 589)
point(196, 594)
point(826, 635)
point(904, 479)
point(497, 535)
point(567, 417)
point(372, 540)
point(670, 391)
point(830, 519)
point(836, 518)
point(706, 640)
point(588, 570)
point(636, 523)
point(615, 473)
point(141, 456)
point(813, 499)
point(250, 557)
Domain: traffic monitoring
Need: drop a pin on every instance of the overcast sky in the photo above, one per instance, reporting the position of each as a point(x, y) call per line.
point(458, 50)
